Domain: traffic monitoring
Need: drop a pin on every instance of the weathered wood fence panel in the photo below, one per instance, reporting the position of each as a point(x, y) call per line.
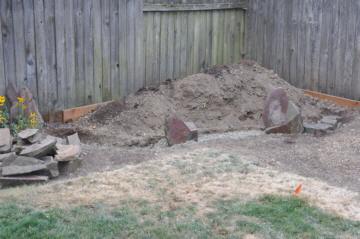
point(179, 43)
point(314, 44)
point(77, 52)
point(71, 52)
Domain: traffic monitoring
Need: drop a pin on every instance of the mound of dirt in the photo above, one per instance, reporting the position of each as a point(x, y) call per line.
point(224, 98)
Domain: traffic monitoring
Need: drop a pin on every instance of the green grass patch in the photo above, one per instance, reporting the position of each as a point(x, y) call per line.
point(282, 217)
point(270, 217)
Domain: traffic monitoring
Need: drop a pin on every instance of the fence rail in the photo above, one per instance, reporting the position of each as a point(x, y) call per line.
point(314, 44)
point(77, 52)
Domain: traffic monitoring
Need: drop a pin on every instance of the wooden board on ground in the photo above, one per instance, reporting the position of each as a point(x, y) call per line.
point(73, 114)
point(334, 99)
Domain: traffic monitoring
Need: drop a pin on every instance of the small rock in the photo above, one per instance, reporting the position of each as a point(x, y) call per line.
point(21, 180)
point(74, 139)
point(177, 131)
point(194, 135)
point(52, 166)
point(65, 153)
point(43, 148)
point(330, 120)
point(5, 140)
point(28, 133)
point(59, 141)
point(318, 129)
point(7, 157)
point(36, 138)
point(23, 165)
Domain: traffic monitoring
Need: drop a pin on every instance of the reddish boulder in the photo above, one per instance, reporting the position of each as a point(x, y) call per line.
point(177, 131)
point(276, 107)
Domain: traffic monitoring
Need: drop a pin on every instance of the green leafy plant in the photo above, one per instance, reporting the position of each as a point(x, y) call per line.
point(22, 121)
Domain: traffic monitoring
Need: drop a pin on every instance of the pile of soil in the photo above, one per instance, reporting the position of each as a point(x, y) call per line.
point(223, 98)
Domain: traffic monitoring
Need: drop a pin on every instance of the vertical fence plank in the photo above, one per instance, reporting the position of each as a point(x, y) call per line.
point(175, 52)
point(50, 53)
point(41, 66)
point(356, 66)
point(149, 45)
point(8, 40)
point(2, 70)
point(105, 42)
point(89, 52)
point(308, 18)
point(184, 43)
point(70, 54)
point(60, 52)
point(333, 49)
point(123, 48)
point(190, 44)
point(156, 59)
point(139, 45)
point(114, 49)
point(130, 32)
point(350, 46)
point(163, 46)
point(97, 51)
point(324, 44)
point(19, 41)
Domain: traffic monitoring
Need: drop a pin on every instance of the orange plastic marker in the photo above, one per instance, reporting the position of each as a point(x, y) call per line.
point(298, 190)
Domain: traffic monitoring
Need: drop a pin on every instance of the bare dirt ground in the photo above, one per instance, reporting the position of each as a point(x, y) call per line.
point(229, 164)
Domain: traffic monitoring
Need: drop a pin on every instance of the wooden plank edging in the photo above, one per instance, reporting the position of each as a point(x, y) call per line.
point(73, 114)
point(334, 99)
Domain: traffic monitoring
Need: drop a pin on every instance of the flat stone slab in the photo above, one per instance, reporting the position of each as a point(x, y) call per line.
point(21, 180)
point(330, 120)
point(23, 165)
point(28, 133)
point(317, 128)
point(66, 153)
point(177, 131)
point(73, 139)
point(7, 156)
point(5, 140)
point(40, 149)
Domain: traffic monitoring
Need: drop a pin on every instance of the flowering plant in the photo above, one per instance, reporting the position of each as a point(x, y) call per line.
point(22, 120)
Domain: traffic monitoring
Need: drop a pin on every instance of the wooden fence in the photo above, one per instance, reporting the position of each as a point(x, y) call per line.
point(314, 44)
point(77, 52)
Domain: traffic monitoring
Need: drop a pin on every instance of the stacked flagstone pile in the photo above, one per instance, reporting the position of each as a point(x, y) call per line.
point(34, 157)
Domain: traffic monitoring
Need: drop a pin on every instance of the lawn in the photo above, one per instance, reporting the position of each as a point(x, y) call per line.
point(267, 217)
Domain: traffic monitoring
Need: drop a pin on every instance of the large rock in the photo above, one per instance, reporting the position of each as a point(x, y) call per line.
point(66, 153)
point(5, 140)
point(23, 165)
point(293, 123)
point(177, 131)
point(276, 107)
point(43, 148)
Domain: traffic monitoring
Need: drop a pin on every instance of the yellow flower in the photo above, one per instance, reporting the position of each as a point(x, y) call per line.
point(21, 100)
point(33, 115)
point(2, 100)
point(2, 119)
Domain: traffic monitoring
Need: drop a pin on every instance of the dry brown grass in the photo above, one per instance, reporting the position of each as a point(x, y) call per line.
point(199, 177)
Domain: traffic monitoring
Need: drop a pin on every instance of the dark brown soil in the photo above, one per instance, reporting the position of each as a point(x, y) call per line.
point(225, 98)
